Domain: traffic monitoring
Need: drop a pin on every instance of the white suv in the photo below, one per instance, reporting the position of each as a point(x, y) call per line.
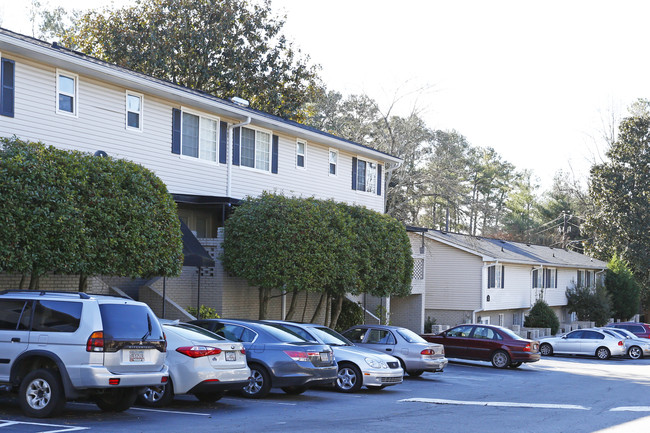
point(58, 346)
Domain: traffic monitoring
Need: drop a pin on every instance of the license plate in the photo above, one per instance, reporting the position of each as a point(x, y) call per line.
point(231, 356)
point(324, 356)
point(136, 355)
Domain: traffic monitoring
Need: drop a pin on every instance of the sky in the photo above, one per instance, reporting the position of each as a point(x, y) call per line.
point(538, 81)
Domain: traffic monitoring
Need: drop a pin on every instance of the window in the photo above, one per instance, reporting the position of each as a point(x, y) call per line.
point(334, 160)
point(7, 78)
point(485, 333)
point(461, 331)
point(301, 151)
point(537, 279)
point(550, 278)
point(126, 322)
point(496, 276)
point(380, 336)
point(356, 335)
point(66, 93)
point(133, 111)
point(199, 136)
point(56, 316)
point(366, 175)
point(585, 278)
point(10, 312)
point(255, 149)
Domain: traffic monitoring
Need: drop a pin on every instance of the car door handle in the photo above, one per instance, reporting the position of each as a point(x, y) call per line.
point(388, 349)
point(15, 340)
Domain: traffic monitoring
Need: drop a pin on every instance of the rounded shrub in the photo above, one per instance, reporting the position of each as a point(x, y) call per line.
point(542, 316)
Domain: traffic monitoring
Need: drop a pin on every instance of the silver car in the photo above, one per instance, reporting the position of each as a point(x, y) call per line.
point(414, 353)
point(636, 347)
point(357, 366)
point(201, 363)
point(591, 342)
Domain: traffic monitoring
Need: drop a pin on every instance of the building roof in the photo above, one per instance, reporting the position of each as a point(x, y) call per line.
point(516, 252)
point(61, 57)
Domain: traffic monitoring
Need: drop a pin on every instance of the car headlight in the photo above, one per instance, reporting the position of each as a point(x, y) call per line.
point(376, 363)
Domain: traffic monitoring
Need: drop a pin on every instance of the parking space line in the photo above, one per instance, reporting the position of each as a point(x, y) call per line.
point(630, 409)
point(170, 411)
point(495, 404)
point(56, 426)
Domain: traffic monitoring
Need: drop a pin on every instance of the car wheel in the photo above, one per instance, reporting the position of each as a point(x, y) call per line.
point(259, 384)
point(349, 378)
point(116, 400)
point(41, 394)
point(157, 396)
point(635, 352)
point(500, 359)
point(515, 364)
point(546, 349)
point(209, 397)
point(415, 373)
point(603, 353)
point(294, 390)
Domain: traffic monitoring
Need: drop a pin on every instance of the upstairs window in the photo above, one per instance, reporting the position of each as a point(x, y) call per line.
point(199, 136)
point(366, 176)
point(301, 152)
point(496, 277)
point(66, 93)
point(550, 278)
point(537, 279)
point(133, 111)
point(334, 160)
point(7, 78)
point(256, 149)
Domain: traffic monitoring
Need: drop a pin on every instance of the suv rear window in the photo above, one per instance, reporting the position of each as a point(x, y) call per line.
point(56, 316)
point(129, 322)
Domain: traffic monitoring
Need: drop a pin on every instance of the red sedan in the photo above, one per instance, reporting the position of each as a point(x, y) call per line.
point(491, 343)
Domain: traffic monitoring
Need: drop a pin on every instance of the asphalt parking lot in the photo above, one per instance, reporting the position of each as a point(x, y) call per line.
point(557, 394)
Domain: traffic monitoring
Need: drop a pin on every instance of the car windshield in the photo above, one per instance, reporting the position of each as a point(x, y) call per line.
point(410, 336)
point(189, 331)
point(331, 337)
point(281, 333)
point(511, 334)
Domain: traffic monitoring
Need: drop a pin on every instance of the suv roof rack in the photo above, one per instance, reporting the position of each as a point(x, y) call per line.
point(82, 295)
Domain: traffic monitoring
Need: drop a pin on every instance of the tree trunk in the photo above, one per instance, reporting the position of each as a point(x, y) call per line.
point(264, 302)
point(292, 305)
point(23, 279)
point(337, 306)
point(83, 283)
point(318, 307)
point(33, 282)
point(304, 308)
point(328, 305)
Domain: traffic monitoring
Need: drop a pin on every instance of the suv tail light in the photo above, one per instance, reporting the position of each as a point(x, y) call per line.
point(198, 351)
point(164, 343)
point(95, 342)
point(526, 348)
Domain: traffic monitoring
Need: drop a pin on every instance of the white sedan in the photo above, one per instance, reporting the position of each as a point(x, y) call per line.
point(591, 342)
point(201, 363)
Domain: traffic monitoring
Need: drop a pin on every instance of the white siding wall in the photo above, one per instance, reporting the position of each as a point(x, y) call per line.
point(516, 292)
point(100, 125)
point(452, 278)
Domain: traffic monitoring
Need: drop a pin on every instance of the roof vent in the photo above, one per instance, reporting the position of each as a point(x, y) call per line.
point(239, 101)
point(55, 44)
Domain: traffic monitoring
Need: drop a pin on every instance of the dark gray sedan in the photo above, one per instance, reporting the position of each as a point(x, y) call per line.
point(277, 358)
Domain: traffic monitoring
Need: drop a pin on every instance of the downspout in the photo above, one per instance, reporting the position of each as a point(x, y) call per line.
point(483, 289)
point(229, 154)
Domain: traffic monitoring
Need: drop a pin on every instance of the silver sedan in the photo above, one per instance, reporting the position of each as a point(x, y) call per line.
point(357, 366)
point(414, 353)
point(636, 347)
point(591, 342)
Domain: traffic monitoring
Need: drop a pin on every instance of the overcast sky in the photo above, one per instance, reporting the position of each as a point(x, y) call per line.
point(533, 79)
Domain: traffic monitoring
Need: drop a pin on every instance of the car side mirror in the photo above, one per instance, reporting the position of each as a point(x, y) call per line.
point(564, 337)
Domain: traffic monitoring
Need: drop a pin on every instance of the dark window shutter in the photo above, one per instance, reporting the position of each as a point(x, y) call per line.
point(235, 146)
point(274, 155)
point(223, 142)
point(379, 182)
point(7, 91)
point(354, 173)
point(176, 131)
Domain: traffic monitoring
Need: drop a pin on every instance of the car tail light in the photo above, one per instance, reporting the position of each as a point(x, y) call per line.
point(297, 356)
point(243, 351)
point(115, 381)
point(428, 352)
point(198, 351)
point(164, 344)
point(95, 342)
point(526, 348)
point(620, 343)
point(164, 379)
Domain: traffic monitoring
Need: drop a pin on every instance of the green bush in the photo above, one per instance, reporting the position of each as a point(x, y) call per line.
point(204, 312)
point(542, 316)
point(428, 324)
point(592, 304)
point(351, 314)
